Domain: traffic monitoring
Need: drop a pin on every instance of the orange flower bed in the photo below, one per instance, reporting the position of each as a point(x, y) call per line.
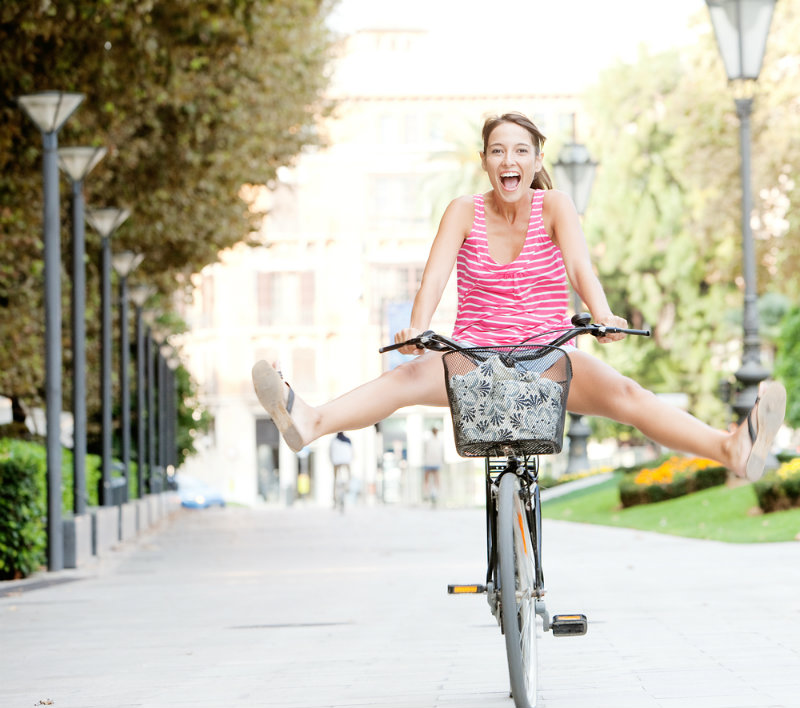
point(673, 478)
point(669, 469)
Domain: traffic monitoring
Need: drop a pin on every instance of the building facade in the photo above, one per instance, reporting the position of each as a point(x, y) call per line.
point(344, 244)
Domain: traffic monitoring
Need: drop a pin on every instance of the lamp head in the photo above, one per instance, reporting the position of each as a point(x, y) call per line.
point(107, 220)
point(574, 173)
point(140, 294)
point(77, 162)
point(125, 262)
point(741, 28)
point(50, 109)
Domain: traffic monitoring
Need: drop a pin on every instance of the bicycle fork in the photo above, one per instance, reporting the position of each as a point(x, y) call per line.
point(562, 625)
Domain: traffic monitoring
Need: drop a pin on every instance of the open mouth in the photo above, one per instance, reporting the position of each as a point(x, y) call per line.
point(510, 180)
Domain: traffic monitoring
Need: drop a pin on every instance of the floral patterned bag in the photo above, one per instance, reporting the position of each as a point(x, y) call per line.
point(506, 399)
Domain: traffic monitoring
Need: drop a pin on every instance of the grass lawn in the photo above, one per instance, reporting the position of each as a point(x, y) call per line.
point(721, 513)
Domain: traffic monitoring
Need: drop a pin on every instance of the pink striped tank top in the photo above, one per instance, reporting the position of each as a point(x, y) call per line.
point(506, 304)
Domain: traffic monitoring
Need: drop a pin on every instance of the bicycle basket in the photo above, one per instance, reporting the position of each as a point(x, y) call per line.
point(508, 398)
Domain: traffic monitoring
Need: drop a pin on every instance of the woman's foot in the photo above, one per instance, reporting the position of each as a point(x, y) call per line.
point(278, 399)
point(758, 431)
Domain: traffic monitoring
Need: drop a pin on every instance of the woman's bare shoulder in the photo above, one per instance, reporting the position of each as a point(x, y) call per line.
point(555, 199)
point(461, 210)
point(465, 202)
point(555, 206)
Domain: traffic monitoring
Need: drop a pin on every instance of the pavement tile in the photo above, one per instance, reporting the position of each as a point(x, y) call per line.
point(306, 608)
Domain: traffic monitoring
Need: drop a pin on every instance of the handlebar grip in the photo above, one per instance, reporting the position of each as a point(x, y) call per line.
point(392, 347)
point(602, 330)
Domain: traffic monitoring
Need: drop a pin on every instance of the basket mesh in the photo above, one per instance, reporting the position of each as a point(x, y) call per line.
point(508, 398)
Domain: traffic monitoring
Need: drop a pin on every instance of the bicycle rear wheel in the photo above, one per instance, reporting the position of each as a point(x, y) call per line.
point(515, 561)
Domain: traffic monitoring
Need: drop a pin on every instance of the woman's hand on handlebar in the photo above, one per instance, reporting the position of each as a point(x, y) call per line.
point(612, 321)
point(406, 334)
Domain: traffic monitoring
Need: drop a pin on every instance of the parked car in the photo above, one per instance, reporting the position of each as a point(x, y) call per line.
point(196, 494)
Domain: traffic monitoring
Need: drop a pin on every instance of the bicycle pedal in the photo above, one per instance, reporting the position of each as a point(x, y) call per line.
point(569, 625)
point(466, 589)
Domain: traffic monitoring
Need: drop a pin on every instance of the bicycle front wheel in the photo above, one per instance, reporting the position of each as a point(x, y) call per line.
point(515, 561)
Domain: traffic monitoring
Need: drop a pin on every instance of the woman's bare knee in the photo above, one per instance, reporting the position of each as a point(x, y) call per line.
point(419, 381)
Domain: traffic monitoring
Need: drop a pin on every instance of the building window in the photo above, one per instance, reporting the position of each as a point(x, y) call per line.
point(286, 298)
point(394, 283)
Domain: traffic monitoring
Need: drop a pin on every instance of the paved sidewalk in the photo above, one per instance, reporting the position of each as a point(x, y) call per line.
point(308, 608)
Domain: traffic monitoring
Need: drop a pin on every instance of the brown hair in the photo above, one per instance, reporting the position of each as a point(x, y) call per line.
point(541, 180)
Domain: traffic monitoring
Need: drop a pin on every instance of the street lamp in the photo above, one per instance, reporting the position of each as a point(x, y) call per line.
point(77, 163)
point(574, 171)
point(124, 263)
point(49, 110)
point(173, 362)
point(150, 353)
point(106, 221)
point(139, 295)
point(165, 389)
point(741, 28)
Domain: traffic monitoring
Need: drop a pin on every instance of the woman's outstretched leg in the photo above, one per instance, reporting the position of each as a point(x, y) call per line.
point(598, 389)
point(419, 381)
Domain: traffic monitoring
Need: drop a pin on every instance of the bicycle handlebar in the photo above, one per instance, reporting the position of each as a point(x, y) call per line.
point(582, 325)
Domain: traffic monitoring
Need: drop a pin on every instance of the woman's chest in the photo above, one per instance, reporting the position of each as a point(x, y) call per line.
point(505, 242)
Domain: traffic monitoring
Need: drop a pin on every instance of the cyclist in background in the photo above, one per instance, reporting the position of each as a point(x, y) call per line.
point(432, 460)
point(516, 249)
point(341, 454)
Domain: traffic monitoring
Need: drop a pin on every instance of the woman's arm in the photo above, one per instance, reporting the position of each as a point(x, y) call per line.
point(564, 226)
point(453, 229)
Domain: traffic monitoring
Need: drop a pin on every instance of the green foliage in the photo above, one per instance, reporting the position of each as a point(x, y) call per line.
point(22, 510)
point(664, 222)
point(192, 99)
point(193, 419)
point(787, 363)
point(780, 490)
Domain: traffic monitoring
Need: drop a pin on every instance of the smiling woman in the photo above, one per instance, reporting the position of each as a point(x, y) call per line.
point(515, 249)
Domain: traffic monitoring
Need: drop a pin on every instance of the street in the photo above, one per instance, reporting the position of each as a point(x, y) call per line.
point(305, 607)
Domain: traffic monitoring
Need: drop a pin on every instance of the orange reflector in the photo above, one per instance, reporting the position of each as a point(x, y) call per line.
point(569, 617)
point(522, 533)
point(464, 588)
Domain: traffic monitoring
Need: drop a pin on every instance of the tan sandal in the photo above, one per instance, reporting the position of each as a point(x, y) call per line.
point(770, 408)
point(269, 386)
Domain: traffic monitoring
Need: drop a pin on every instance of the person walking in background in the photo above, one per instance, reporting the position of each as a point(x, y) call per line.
point(516, 249)
point(341, 453)
point(432, 460)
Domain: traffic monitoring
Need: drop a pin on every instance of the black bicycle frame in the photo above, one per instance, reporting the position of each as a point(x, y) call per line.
point(527, 471)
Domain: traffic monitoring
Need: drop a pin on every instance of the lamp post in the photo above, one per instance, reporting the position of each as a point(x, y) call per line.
point(150, 353)
point(741, 28)
point(164, 406)
point(172, 395)
point(574, 170)
point(49, 110)
point(77, 163)
point(139, 295)
point(106, 221)
point(124, 263)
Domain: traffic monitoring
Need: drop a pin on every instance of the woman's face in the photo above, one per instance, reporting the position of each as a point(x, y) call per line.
point(510, 161)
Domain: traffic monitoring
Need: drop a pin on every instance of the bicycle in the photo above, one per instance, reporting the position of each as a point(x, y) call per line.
point(508, 405)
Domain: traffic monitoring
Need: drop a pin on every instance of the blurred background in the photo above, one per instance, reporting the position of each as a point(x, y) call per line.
point(286, 164)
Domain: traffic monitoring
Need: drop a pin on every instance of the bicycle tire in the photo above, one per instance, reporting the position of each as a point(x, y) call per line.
point(515, 560)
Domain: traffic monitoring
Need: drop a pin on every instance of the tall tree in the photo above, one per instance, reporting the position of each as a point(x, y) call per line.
point(665, 223)
point(192, 98)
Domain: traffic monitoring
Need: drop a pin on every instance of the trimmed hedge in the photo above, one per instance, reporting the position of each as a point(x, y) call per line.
point(675, 477)
point(780, 490)
point(23, 501)
point(23, 539)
